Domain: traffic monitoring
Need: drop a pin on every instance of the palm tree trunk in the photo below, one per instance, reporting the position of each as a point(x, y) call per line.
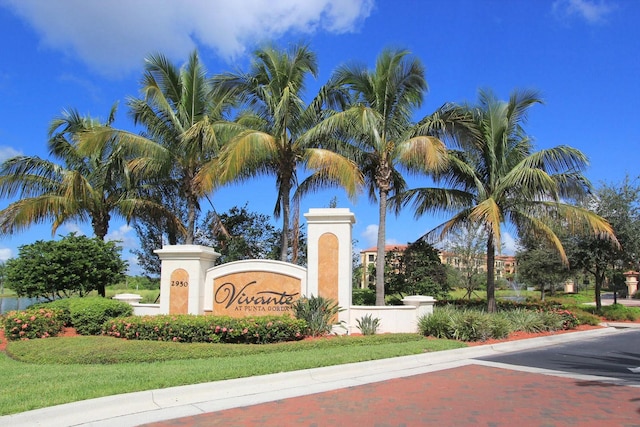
point(286, 208)
point(380, 252)
point(491, 283)
point(192, 204)
point(100, 224)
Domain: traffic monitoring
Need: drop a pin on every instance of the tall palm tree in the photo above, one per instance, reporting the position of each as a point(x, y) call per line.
point(496, 178)
point(78, 186)
point(274, 120)
point(180, 137)
point(378, 131)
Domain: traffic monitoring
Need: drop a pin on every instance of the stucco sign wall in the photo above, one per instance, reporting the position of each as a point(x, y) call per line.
point(253, 288)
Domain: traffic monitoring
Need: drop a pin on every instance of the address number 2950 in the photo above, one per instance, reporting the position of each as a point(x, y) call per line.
point(180, 283)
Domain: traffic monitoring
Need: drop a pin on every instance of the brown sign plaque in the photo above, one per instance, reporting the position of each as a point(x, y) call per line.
point(254, 293)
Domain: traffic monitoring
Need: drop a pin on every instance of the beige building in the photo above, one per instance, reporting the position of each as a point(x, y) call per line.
point(504, 265)
point(368, 262)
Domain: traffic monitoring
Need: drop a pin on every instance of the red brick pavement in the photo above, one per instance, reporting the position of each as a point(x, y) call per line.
point(465, 396)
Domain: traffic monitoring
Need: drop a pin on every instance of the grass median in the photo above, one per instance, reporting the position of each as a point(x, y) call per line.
point(52, 371)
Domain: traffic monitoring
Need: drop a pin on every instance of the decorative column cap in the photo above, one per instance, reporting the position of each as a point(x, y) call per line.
point(330, 215)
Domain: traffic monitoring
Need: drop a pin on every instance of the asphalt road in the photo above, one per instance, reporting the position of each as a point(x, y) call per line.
point(612, 356)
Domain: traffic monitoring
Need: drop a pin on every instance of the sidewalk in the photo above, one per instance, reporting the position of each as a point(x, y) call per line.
point(419, 386)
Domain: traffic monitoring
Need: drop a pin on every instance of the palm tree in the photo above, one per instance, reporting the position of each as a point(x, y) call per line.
point(496, 178)
point(274, 120)
point(378, 131)
point(80, 186)
point(180, 137)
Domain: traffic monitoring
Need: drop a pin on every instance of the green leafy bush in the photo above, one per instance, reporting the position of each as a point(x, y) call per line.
point(32, 323)
point(569, 319)
point(89, 314)
point(585, 318)
point(363, 297)
point(618, 312)
point(319, 313)
point(368, 325)
point(59, 304)
point(214, 329)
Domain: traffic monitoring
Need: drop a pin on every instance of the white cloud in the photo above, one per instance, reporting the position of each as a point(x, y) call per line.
point(113, 37)
point(7, 153)
point(592, 11)
point(370, 235)
point(122, 235)
point(509, 244)
point(73, 228)
point(5, 254)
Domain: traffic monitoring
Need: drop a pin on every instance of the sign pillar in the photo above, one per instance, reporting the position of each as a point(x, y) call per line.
point(631, 280)
point(329, 253)
point(182, 280)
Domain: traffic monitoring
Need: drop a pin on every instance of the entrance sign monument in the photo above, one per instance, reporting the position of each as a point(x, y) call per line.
point(190, 283)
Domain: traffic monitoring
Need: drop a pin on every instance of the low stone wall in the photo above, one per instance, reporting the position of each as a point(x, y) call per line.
point(146, 309)
point(393, 319)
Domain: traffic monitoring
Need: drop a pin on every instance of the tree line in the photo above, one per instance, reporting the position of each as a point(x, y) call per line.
point(358, 133)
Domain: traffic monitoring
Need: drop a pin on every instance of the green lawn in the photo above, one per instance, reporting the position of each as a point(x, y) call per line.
point(53, 371)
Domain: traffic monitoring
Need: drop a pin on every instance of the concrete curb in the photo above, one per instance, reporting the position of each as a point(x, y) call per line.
point(156, 405)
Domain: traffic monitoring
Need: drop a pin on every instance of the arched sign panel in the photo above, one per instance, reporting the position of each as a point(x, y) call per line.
point(254, 293)
point(179, 293)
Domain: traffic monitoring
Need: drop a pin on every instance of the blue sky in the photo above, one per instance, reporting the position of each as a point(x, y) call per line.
point(582, 55)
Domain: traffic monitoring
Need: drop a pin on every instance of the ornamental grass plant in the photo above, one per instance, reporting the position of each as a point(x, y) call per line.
point(472, 324)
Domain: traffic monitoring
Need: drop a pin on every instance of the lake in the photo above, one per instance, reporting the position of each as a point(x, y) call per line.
point(14, 303)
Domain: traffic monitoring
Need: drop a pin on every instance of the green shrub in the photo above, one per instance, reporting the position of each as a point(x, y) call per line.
point(525, 320)
point(569, 319)
point(551, 320)
point(32, 323)
point(501, 327)
point(214, 329)
point(476, 325)
point(473, 325)
point(585, 318)
point(438, 324)
point(618, 312)
point(368, 325)
point(59, 304)
point(89, 314)
point(363, 297)
point(319, 313)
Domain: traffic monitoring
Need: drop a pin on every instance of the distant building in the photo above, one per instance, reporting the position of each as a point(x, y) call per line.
point(368, 261)
point(504, 265)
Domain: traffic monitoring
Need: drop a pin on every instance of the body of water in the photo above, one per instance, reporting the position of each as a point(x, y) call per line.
point(15, 303)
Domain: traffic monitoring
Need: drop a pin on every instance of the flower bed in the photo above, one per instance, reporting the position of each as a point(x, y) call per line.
point(192, 328)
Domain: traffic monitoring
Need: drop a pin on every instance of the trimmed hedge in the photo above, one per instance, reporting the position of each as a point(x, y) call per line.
point(87, 315)
point(215, 329)
point(59, 304)
point(32, 323)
